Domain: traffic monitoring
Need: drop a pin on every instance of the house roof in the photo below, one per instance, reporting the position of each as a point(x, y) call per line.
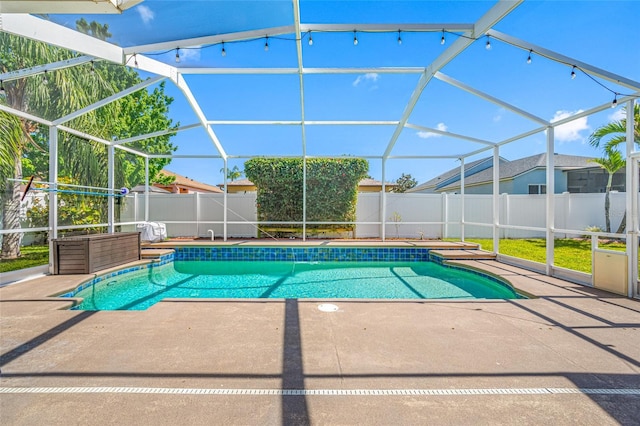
point(511, 169)
point(152, 188)
point(185, 181)
point(431, 184)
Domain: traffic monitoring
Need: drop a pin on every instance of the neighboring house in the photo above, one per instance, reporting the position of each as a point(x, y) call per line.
point(365, 185)
point(523, 176)
point(184, 185)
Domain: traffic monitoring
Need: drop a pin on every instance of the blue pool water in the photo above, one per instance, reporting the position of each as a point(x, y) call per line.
point(281, 279)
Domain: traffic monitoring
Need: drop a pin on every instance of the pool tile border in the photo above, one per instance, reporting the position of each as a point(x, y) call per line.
point(297, 254)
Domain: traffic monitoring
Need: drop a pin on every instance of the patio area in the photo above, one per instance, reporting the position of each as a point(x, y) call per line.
point(570, 355)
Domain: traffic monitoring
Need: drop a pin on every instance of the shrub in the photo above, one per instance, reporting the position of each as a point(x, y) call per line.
point(332, 189)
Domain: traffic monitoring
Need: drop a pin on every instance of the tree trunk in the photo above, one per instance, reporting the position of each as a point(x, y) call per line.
point(11, 215)
point(623, 225)
point(607, 205)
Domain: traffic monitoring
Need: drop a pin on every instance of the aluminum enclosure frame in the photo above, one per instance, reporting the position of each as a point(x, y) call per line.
point(92, 49)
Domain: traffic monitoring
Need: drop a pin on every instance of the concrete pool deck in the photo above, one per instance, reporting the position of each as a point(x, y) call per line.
point(569, 356)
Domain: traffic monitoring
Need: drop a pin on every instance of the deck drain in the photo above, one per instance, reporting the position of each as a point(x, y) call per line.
point(327, 307)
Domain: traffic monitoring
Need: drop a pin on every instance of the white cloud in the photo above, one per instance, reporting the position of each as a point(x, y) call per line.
point(190, 54)
point(570, 131)
point(425, 135)
point(368, 77)
point(146, 14)
point(617, 115)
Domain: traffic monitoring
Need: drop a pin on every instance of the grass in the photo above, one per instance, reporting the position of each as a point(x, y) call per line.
point(30, 256)
point(569, 253)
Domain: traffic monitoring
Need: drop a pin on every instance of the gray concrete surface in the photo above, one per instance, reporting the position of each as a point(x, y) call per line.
point(80, 367)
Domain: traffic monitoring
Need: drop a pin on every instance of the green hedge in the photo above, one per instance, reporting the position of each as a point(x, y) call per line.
point(332, 188)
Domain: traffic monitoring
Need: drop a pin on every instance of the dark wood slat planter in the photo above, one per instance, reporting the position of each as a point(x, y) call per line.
point(86, 254)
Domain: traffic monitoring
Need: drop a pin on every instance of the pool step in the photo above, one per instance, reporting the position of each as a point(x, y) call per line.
point(154, 253)
point(463, 254)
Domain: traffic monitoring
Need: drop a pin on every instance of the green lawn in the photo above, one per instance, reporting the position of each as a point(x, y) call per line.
point(31, 256)
point(570, 254)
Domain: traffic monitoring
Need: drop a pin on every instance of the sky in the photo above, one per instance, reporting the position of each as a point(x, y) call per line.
point(603, 34)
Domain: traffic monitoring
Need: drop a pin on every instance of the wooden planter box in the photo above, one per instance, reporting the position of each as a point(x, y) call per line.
point(87, 254)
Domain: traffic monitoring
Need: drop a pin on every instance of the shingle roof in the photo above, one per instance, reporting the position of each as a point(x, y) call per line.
point(511, 169)
point(185, 181)
point(431, 184)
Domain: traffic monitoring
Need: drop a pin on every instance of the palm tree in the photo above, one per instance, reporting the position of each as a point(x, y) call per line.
point(612, 135)
point(62, 92)
point(615, 133)
point(233, 174)
point(611, 163)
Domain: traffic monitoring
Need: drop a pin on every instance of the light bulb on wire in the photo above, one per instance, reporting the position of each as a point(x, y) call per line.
point(573, 72)
point(310, 39)
point(266, 43)
point(92, 70)
point(488, 44)
point(442, 40)
point(223, 52)
point(615, 101)
point(355, 38)
point(399, 38)
point(529, 57)
point(45, 80)
point(135, 59)
point(177, 55)
point(2, 91)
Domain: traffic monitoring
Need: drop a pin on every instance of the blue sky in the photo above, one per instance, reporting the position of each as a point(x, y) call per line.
point(601, 33)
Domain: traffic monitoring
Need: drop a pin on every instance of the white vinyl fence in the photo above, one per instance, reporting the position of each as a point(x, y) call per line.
point(406, 215)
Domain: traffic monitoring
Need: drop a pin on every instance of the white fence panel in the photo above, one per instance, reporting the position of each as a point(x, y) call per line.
point(411, 212)
point(368, 210)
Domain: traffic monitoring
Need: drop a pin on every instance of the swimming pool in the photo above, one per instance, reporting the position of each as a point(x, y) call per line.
point(409, 276)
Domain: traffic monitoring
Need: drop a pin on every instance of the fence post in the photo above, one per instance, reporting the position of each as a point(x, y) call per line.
point(445, 215)
point(550, 243)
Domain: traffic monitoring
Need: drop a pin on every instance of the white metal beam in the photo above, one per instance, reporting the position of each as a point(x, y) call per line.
point(184, 87)
point(452, 81)
point(208, 40)
point(603, 107)
point(522, 135)
point(299, 122)
point(590, 69)
point(285, 71)
point(450, 134)
point(386, 28)
point(631, 193)
point(155, 134)
point(489, 19)
point(83, 135)
point(66, 6)
point(108, 100)
point(296, 24)
point(145, 63)
point(550, 212)
point(67, 63)
point(51, 33)
point(25, 115)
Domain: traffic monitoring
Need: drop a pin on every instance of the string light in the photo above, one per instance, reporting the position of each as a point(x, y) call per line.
point(2, 91)
point(573, 72)
point(177, 55)
point(223, 52)
point(45, 80)
point(135, 59)
point(488, 44)
point(442, 40)
point(615, 101)
point(529, 57)
point(355, 38)
point(266, 43)
point(399, 38)
point(92, 70)
point(310, 39)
